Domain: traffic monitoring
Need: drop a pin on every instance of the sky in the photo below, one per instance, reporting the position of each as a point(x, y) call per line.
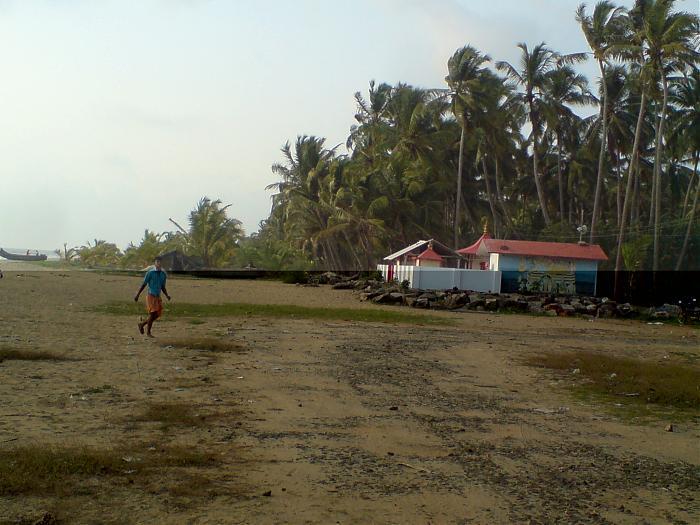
point(116, 115)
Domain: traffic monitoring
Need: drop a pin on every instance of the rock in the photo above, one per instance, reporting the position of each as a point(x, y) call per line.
point(267, 494)
point(566, 310)
point(388, 298)
point(430, 296)
point(475, 304)
point(475, 297)
point(607, 311)
point(491, 304)
point(456, 300)
point(553, 307)
point(422, 302)
point(535, 308)
point(592, 309)
point(329, 278)
point(669, 428)
point(670, 310)
point(626, 310)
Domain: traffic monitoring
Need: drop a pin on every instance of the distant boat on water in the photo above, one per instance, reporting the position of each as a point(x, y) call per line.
point(19, 257)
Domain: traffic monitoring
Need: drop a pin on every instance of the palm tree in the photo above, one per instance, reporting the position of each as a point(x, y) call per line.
point(687, 130)
point(563, 87)
point(535, 65)
point(464, 71)
point(602, 30)
point(672, 39)
point(213, 235)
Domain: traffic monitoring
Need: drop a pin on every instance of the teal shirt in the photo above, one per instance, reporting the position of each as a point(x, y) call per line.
point(155, 280)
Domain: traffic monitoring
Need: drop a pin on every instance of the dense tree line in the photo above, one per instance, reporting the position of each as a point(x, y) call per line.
point(506, 144)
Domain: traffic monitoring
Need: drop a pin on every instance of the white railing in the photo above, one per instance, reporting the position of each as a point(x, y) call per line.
point(427, 278)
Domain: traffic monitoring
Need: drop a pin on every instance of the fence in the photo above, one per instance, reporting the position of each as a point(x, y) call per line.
point(426, 278)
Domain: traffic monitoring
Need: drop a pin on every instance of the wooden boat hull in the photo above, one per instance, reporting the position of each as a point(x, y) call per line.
point(18, 257)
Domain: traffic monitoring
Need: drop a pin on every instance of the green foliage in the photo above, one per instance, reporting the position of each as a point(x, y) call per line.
point(213, 235)
point(635, 253)
point(99, 253)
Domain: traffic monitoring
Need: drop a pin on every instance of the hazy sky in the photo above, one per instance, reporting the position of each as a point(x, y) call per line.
point(116, 115)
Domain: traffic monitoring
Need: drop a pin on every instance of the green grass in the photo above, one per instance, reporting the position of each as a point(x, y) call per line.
point(281, 310)
point(633, 381)
point(22, 354)
point(54, 470)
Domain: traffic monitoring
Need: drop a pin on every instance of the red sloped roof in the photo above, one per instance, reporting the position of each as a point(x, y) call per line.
point(474, 248)
point(562, 250)
point(429, 255)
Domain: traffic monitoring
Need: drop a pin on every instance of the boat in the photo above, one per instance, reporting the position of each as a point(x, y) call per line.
point(19, 257)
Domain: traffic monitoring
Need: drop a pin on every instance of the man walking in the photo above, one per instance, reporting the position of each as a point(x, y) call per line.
point(155, 280)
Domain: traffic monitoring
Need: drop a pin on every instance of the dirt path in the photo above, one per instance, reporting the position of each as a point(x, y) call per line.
point(342, 422)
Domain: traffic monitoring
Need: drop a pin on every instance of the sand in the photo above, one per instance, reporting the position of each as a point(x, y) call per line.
point(342, 422)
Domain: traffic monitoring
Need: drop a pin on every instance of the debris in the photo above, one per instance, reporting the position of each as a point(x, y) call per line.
point(669, 428)
point(560, 410)
point(267, 494)
point(393, 408)
point(414, 467)
point(576, 371)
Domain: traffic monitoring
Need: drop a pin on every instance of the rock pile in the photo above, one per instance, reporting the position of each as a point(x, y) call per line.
point(381, 292)
point(544, 304)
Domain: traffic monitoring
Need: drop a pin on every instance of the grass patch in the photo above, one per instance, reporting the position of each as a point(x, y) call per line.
point(53, 470)
point(172, 415)
point(283, 311)
point(635, 381)
point(21, 354)
point(209, 344)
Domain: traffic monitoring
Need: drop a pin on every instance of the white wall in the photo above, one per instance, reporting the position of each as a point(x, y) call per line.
point(423, 278)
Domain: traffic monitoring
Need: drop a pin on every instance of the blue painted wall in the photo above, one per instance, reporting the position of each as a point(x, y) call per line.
point(556, 275)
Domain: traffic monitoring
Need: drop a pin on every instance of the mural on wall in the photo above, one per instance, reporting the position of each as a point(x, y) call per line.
point(541, 274)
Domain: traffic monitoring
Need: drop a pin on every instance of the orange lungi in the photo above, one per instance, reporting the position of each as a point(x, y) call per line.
point(154, 305)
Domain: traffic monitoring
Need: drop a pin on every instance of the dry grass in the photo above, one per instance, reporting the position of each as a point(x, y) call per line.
point(53, 470)
point(209, 344)
point(171, 415)
point(23, 354)
point(664, 384)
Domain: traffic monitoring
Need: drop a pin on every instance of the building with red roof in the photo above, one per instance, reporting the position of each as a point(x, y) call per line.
point(537, 266)
point(512, 266)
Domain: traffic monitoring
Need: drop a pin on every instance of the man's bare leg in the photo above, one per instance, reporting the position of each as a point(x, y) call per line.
point(149, 323)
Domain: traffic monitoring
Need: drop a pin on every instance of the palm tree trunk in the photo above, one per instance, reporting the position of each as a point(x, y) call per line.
point(652, 199)
point(559, 177)
point(458, 198)
point(681, 256)
point(635, 217)
point(499, 195)
point(352, 250)
point(619, 189)
point(535, 169)
point(492, 204)
point(628, 191)
point(657, 173)
point(690, 184)
point(601, 154)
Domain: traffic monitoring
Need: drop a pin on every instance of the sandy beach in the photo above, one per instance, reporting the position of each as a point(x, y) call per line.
point(317, 421)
